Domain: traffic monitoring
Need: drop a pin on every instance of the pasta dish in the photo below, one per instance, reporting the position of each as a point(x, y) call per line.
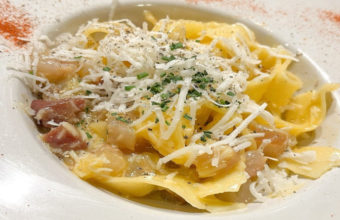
point(198, 113)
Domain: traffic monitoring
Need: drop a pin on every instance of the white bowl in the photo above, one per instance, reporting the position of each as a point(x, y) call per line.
point(34, 184)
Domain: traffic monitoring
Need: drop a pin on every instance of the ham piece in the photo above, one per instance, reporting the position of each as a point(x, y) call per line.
point(65, 137)
point(57, 110)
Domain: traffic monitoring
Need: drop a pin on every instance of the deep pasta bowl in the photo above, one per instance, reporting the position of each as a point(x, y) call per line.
point(37, 185)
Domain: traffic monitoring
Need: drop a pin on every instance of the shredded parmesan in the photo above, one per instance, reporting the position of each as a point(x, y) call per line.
point(305, 157)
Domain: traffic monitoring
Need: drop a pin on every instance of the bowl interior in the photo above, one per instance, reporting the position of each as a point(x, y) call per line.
point(306, 69)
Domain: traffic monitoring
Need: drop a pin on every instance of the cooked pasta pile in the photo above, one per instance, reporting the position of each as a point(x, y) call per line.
point(199, 110)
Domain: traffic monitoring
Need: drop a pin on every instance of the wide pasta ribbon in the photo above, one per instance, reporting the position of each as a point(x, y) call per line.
point(306, 111)
point(324, 159)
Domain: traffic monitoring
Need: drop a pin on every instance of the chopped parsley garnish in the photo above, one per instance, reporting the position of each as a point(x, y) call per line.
point(30, 72)
point(203, 138)
point(223, 102)
point(186, 116)
point(155, 88)
point(193, 93)
point(230, 93)
point(157, 120)
point(120, 118)
point(168, 59)
point(89, 136)
point(164, 108)
point(167, 95)
point(163, 74)
point(128, 88)
point(78, 57)
point(88, 92)
point(142, 75)
point(206, 134)
point(198, 41)
point(107, 68)
point(86, 109)
point(201, 79)
point(175, 46)
point(167, 123)
point(153, 38)
point(171, 78)
point(163, 105)
point(164, 96)
point(114, 113)
point(183, 126)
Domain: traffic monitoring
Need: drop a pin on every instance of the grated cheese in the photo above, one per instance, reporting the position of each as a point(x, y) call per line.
point(273, 182)
point(179, 109)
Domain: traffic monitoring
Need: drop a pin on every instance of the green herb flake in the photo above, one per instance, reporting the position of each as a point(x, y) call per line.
point(230, 93)
point(168, 59)
point(88, 92)
point(107, 68)
point(128, 88)
point(78, 57)
point(89, 136)
point(156, 88)
point(171, 78)
point(193, 93)
point(207, 134)
point(167, 123)
point(223, 102)
point(157, 120)
point(201, 79)
point(153, 38)
point(163, 74)
point(203, 138)
point(114, 113)
point(175, 46)
point(165, 108)
point(120, 118)
point(163, 105)
point(86, 109)
point(197, 41)
point(142, 75)
point(183, 126)
point(186, 116)
point(165, 96)
point(30, 72)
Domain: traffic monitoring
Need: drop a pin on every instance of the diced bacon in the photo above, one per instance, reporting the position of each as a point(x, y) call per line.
point(279, 140)
point(226, 157)
point(57, 110)
point(121, 135)
point(255, 161)
point(65, 137)
point(56, 71)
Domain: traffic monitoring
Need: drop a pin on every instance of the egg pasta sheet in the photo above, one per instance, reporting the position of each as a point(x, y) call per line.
point(199, 110)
